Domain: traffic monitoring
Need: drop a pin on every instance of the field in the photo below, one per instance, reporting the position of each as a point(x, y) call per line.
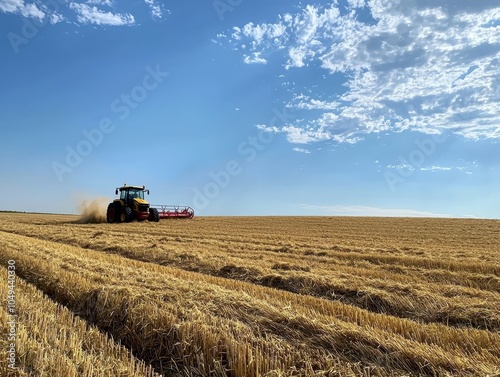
point(249, 296)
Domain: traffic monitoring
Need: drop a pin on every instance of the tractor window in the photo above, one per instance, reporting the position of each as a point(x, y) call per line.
point(132, 194)
point(123, 195)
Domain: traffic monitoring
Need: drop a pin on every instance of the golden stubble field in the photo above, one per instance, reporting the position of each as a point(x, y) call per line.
point(253, 296)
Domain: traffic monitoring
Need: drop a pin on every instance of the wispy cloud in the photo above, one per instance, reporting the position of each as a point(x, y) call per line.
point(307, 103)
point(434, 168)
point(427, 68)
point(340, 210)
point(95, 12)
point(401, 167)
point(108, 3)
point(21, 8)
point(437, 168)
point(92, 15)
point(155, 9)
point(302, 150)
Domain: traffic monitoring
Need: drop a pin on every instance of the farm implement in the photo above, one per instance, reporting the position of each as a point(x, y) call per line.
point(171, 211)
point(132, 206)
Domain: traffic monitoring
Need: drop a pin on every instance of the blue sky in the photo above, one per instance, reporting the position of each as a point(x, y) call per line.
point(351, 107)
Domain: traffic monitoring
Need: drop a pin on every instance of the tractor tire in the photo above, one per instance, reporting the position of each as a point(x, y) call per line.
point(126, 215)
point(111, 214)
point(154, 214)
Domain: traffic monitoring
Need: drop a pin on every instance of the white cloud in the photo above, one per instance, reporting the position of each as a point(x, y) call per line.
point(108, 3)
point(32, 11)
point(421, 66)
point(155, 8)
point(302, 150)
point(436, 168)
point(356, 3)
point(56, 18)
point(19, 7)
point(259, 33)
point(313, 22)
point(306, 103)
point(254, 58)
point(297, 56)
point(97, 12)
point(433, 168)
point(265, 128)
point(92, 15)
point(401, 167)
point(11, 6)
point(340, 210)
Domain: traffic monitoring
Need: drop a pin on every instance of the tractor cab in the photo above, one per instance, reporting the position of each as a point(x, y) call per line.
point(129, 193)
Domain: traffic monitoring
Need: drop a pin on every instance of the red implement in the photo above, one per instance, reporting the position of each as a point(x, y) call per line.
point(171, 211)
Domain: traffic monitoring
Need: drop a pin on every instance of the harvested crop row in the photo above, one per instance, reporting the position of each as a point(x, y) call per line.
point(206, 324)
point(375, 281)
point(51, 341)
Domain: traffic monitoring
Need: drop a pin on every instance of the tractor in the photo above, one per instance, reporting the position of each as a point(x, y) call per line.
point(132, 205)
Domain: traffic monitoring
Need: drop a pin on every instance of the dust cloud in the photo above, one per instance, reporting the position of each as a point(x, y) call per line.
point(93, 211)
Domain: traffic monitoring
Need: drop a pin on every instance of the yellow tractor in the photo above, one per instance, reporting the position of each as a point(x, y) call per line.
point(132, 205)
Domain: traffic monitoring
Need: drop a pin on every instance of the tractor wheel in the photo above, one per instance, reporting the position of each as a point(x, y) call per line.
point(126, 215)
point(111, 213)
point(154, 214)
